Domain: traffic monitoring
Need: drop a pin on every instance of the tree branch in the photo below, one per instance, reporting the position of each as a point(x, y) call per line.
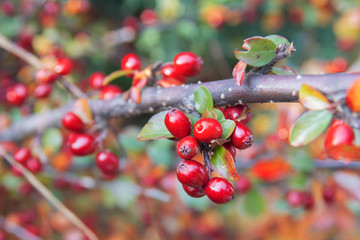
point(255, 89)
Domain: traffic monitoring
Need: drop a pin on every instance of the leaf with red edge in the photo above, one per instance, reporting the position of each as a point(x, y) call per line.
point(343, 152)
point(239, 72)
point(270, 170)
point(312, 99)
point(135, 95)
point(283, 70)
point(82, 109)
point(224, 164)
point(114, 75)
point(260, 51)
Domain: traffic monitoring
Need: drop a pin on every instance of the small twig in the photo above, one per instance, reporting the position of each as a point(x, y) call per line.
point(48, 195)
point(207, 162)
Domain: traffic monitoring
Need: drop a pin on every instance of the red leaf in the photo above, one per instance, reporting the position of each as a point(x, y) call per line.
point(343, 152)
point(239, 72)
point(271, 170)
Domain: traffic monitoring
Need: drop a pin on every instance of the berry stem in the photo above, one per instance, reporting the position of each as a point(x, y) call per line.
point(207, 162)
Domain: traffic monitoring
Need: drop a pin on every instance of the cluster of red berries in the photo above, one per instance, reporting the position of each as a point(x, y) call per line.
point(24, 157)
point(296, 198)
point(16, 94)
point(185, 64)
point(196, 180)
point(82, 144)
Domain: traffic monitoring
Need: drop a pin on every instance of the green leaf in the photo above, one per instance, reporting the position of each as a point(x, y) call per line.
point(312, 99)
point(260, 51)
point(224, 163)
point(209, 114)
point(155, 128)
point(298, 181)
point(52, 139)
point(228, 127)
point(114, 75)
point(203, 99)
point(283, 70)
point(309, 126)
point(219, 113)
point(254, 203)
point(193, 119)
point(277, 39)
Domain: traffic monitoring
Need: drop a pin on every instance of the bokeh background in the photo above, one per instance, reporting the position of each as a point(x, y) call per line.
point(146, 201)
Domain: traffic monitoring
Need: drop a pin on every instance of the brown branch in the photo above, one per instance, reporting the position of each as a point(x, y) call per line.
point(255, 89)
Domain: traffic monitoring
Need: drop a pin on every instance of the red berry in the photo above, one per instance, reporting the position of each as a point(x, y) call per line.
point(308, 200)
point(63, 66)
point(207, 129)
point(42, 90)
point(26, 188)
point(110, 92)
point(178, 123)
point(294, 198)
point(169, 71)
point(82, 145)
point(242, 136)
point(45, 76)
point(219, 190)
point(77, 187)
point(231, 149)
point(71, 137)
point(34, 165)
point(16, 94)
point(96, 80)
point(187, 147)
point(328, 195)
point(233, 112)
point(148, 17)
point(339, 134)
point(188, 64)
point(243, 184)
point(22, 155)
point(61, 182)
point(107, 162)
point(192, 173)
point(72, 122)
point(194, 192)
point(131, 61)
point(109, 175)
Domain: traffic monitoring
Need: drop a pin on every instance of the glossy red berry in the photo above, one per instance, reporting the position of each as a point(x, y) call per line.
point(188, 64)
point(328, 195)
point(42, 90)
point(16, 94)
point(231, 149)
point(72, 122)
point(233, 112)
point(107, 162)
point(192, 173)
point(63, 66)
point(178, 123)
point(96, 80)
point(46, 76)
point(243, 184)
point(82, 145)
point(339, 134)
point(194, 192)
point(219, 190)
point(294, 198)
point(188, 147)
point(169, 71)
point(22, 155)
point(110, 92)
point(308, 200)
point(207, 129)
point(131, 61)
point(34, 165)
point(242, 136)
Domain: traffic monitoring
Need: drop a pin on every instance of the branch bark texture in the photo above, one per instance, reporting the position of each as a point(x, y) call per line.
point(255, 89)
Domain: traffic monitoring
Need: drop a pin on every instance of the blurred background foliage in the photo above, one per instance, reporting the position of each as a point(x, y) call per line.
point(146, 202)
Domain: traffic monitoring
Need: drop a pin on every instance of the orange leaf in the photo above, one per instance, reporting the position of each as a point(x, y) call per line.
point(270, 170)
point(224, 164)
point(82, 109)
point(239, 72)
point(135, 95)
point(343, 152)
point(353, 96)
point(312, 99)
